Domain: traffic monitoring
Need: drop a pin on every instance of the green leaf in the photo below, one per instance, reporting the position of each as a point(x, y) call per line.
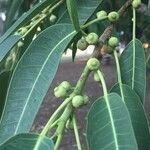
point(149, 8)
point(85, 11)
point(72, 9)
point(26, 142)
point(133, 68)
point(4, 81)
point(109, 125)
point(31, 79)
point(137, 115)
point(8, 44)
point(11, 12)
point(26, 17)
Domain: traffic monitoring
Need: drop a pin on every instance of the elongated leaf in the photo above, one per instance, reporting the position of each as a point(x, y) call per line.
point(4, 81)
point(11, 13)
point(85, 9)
point(72, 9)
point(133, 68)
point(25, 18)
point(26, 142)
point(7, 45)
point(109, 125)
point(31, 79)
point(137, 115)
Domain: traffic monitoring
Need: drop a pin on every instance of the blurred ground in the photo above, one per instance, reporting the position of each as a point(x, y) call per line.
point(71, 72)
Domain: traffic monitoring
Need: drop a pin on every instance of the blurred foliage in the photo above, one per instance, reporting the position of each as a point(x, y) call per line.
point(123, 28)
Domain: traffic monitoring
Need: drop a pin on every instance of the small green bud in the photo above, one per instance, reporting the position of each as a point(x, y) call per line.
point(82, 44)
point(136, 3)
point(60, 92)
point(66, 85)
point(96, 77)
point(92, 38)
point(113, 16)
point(78, 101)
point(101, 14)
point(53, 18)
point(113, 42)
point(20, 44)
point(93, 64)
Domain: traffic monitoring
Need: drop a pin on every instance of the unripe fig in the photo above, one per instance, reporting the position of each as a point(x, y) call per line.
point(78, 101)
point(136, 3)
point(113, 16)
point(92, 38)
point(93, 64)
point(96, 77)
point(113, 42)
point(101, 14)
point(53, 18)
point(82, 44)
point(60, 92)
point(66, 85)
point(110, 50)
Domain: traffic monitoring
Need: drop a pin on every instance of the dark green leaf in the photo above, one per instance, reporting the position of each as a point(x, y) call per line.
point(137, 115)
point(26, 142)
point(109, 125)
point(149, 7)
point(4, 80)
point(26, 17)
point(85, 10)
point(31, 79)
point(133, 68)
point(11, 12)
point(8, 44)
point(72, 9)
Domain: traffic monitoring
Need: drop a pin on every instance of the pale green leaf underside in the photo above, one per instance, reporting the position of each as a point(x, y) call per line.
point(133, 69)
point(26, 142)
point(137, 115)
point(109, 126)
point(31, 79)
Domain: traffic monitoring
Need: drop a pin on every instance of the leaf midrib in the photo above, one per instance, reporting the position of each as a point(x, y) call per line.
point(35, 81)
point(112, 122)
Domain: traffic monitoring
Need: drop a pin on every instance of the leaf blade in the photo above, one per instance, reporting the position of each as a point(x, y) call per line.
point(27, 141)
point(15, 5)
point(106, 133)
point(30, 83)
point(8, 44)
point(137, 115)
point(85, 9)
point(72, 9)
point(4, 81)
point(133, 73)
point(24, 19)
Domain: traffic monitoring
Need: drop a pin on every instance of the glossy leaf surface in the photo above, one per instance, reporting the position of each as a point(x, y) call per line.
point(109, 125)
